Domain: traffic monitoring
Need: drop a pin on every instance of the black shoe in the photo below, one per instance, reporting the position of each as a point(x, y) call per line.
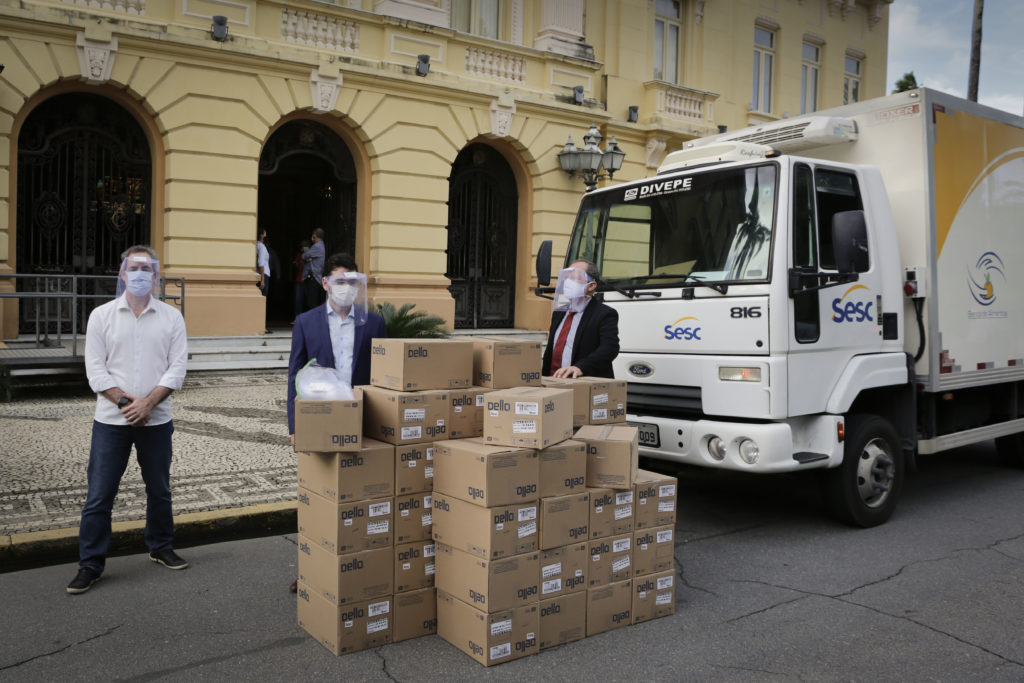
point(169, 559)
point(83, 581)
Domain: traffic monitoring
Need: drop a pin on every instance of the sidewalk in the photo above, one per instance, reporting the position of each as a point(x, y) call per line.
point(233, 472)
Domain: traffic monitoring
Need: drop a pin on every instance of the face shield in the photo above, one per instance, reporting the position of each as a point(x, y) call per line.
point(139, 274)
point(571, 290)
point(347, 292)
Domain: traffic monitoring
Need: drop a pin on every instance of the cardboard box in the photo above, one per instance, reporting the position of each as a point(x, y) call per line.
point(485, 474)
point(414, 468)
point(612, 455)
point(506, 363)
point(466, 414)
point(611, 560)
point(528, 416)
point(328, 426)
point(655, 500)
point(654, 596)
point(415, 614)
point(414, 566)
point(611, 512)
point(489, 638)
point(580, 396)
point(563, 468)
point(345, 527)
point(341, 579)
point(488, 533)
point(607, 404)
point(563, 570)
point(414, 518)
point(564, 520)
point(609, 607)
point(419, 364)
point(405, 417)
point(488, 585)
point(343, 476)
point(354, 627)
point(563, 619)
point(653, 550)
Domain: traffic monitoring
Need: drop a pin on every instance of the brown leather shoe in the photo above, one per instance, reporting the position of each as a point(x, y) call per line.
point(294, 588)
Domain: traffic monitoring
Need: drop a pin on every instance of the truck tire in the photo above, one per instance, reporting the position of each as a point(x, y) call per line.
point(864, 489)
point(1010, 449)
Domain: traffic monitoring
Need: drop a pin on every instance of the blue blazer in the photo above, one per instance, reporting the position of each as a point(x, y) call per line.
point(311, 338)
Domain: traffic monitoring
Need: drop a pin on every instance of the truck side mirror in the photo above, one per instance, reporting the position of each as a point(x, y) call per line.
point(850, 241)
point(544, 264)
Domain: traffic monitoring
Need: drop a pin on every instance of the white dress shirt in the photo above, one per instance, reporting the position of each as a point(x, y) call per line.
point(567, 349)
point(135, 354)
point(343, 335)
point(263, 258)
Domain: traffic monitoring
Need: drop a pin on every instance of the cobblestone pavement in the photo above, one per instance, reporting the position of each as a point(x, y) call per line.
point(231, 449)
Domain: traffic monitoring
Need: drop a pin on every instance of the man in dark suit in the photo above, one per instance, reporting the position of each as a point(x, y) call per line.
point(334, 333)
point(585, 339)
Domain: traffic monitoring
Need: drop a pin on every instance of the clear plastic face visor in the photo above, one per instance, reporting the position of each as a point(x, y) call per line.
point(139, 275)
point(571, 290)
point(347, 293)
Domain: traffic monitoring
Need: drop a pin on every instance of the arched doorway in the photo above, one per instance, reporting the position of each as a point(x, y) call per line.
point(307, 181)
point(84, 186)
point(482, 218)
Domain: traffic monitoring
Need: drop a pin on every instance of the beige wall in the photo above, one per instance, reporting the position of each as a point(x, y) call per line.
point(208, 108)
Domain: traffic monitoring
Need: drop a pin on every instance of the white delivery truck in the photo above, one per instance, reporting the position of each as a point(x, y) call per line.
point(841, 291)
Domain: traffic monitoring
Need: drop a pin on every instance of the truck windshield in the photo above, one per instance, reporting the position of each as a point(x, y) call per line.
point(710, 227)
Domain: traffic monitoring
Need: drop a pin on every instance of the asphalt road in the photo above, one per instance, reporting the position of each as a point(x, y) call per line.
point(770, 589)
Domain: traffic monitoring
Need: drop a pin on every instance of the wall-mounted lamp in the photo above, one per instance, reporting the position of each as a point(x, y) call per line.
point(634, 113)
point(590, 161)
point(219, 28)
point(722, 128)
point(577, 94)
point(422, 65)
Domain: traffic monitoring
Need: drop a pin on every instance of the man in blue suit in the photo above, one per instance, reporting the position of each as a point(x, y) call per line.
point(337, 334)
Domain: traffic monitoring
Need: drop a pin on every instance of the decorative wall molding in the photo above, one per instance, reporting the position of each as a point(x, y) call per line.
point(433, 12)
point(496, 65)
point(561, 29)
point(309, 28)
point(136, 7)
point(324, 90)
point(698, 11)
point(655, 151)
point(410, 47)
point(237, 13)
point(95, 58)
point(503, 111)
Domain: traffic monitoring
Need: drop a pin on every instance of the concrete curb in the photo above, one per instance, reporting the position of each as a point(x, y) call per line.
point(59, 546)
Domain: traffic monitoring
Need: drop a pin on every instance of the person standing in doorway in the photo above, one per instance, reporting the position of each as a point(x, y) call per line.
point(263, 266)
point(314, 281)
point(584, 334)
point(135, 355)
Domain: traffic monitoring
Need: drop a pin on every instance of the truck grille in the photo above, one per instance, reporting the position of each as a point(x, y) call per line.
point(663, 400)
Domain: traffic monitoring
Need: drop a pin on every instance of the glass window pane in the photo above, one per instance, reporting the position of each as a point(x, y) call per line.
point(803, 89)
point(763, 37)
point(659, 50)
point(487, 18)
point(672, 54)
point(812, 91)
point(767, 83)
point(757, 79)
point(852, 66)
point(668, 8)
point(810, 52)
point(460, 15)
point(855, 93)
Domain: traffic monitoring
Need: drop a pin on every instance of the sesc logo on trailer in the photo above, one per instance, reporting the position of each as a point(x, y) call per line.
point(684, 329)
point(658, 188)
point(850, 310)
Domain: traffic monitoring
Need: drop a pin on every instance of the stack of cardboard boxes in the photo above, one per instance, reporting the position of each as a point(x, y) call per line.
point(534, 536)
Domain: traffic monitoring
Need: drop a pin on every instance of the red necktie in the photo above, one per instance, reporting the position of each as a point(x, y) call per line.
point(556, 353)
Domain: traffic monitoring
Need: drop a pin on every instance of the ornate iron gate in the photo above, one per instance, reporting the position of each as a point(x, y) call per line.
point(482, 219)
point(84, 181)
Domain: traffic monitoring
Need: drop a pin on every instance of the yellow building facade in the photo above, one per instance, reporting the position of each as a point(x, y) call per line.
point(421, 135)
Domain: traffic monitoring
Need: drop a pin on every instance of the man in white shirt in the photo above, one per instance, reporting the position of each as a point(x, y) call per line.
point(263, 261)
point(135, 356)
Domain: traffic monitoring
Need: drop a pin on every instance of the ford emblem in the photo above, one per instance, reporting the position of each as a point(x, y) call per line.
point(641, 369)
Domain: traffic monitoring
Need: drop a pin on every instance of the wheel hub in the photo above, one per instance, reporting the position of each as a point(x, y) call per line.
point(876, 470)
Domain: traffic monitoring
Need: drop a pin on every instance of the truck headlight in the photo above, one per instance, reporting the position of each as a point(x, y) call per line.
point(749, 451)
point(716, 447)
point(733, 374)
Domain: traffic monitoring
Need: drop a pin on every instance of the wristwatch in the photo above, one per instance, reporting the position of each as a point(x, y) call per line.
point(123, 401)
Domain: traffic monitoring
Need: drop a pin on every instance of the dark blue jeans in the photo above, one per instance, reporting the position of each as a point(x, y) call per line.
point(108, 459)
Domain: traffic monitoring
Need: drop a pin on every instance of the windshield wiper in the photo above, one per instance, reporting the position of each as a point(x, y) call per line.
point(686, 279)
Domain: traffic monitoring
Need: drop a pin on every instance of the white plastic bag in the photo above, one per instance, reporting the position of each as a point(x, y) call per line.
point(317, 383)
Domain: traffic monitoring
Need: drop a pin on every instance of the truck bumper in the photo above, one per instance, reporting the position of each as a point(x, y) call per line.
point(800, 443)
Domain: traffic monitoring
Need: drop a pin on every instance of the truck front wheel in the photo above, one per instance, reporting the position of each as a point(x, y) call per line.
point(864, 489)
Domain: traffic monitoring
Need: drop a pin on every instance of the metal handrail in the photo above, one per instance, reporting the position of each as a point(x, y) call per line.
point(53, 289)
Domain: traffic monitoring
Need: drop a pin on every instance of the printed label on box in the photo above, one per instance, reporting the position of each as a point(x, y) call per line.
point(405, 513)
point(428, 519)
point(526, 514)
point(415, 414)
point(349, 522)
point(378, 509)
point(600, 399)
point(428, 550)
point(527, 529)
point(620, 564)
point(551, 586)
point(623, 512)
point(551, 570)
point(377, 625)
point(499, 651)
point(666, 506)
point(378, 608)
point(524, 427)
point(479, 400)
point(624, 497)
point(664, 536)
point(429, 569)
point(381, 527)
point(430, 453)
point(527, 408)
point(599, 414)
point(458, 409)
point(620, 546)
point(412, 463)
point(666, 490)
point(428, 472)
point(412, 433)
point(664, 582)
point(663, 599)
point(499, 627)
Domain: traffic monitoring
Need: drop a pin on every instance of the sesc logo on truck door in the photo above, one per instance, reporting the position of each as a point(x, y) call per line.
point(686, 329)
point(852, 311)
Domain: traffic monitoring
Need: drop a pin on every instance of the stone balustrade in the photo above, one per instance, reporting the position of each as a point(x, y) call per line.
point(318, 30)
point(136, 7)
point(493, 64)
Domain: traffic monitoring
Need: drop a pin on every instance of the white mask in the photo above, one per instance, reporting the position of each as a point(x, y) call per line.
point(574, 289)
point(139, 282)
point(343, 296)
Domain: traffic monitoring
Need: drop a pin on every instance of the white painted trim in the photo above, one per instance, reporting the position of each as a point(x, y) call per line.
point(225, 3)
